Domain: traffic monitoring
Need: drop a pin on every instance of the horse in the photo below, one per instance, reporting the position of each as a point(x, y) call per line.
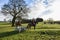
point(32, 23)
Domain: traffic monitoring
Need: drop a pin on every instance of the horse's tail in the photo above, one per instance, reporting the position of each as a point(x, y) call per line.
point(29, 26)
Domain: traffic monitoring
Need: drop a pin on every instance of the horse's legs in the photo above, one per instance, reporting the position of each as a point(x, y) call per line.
point(34, 27)
point(29, 27)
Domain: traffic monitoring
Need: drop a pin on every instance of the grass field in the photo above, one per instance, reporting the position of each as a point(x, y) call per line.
point(42, 32)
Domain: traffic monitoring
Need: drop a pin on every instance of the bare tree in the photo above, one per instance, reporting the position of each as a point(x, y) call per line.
point(15, 8)
point(50, 20)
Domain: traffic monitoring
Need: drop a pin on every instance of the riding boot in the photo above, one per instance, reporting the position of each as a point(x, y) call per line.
point(34, 28)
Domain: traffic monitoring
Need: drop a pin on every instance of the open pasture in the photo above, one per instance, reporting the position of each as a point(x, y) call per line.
point(42, 32)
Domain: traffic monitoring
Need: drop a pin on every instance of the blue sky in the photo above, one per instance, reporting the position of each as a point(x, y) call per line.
point(40, 8)
point(2, 2)
point(28, 1)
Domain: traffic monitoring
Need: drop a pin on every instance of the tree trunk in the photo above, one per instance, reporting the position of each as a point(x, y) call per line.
point(13, 20)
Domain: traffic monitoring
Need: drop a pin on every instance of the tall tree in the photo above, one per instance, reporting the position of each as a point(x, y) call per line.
point(15, 8)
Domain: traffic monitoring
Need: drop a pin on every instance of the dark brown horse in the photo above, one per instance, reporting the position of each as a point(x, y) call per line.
point(32, 23)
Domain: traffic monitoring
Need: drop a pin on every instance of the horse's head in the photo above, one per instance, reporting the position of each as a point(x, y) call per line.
point(39, 20)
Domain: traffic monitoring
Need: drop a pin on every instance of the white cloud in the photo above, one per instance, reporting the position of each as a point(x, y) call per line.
point(1, 17)
point(56, 11)
point(38, 8)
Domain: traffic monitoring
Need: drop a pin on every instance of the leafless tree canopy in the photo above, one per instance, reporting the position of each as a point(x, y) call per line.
point(15, 8)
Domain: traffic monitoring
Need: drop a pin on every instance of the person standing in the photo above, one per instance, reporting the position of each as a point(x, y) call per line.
point(18, 25)
point(34, 23)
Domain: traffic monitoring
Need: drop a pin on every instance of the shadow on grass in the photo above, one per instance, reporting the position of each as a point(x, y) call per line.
point(5, 34)
point(54, 33)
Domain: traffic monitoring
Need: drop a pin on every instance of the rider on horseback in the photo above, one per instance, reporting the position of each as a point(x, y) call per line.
point(32, 23)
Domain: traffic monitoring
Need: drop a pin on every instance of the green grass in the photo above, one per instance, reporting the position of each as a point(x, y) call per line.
point(42, 32)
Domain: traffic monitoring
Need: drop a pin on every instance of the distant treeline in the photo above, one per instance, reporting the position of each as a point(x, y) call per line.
point(25, 20)
point(52, 22)
point(29, 20)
